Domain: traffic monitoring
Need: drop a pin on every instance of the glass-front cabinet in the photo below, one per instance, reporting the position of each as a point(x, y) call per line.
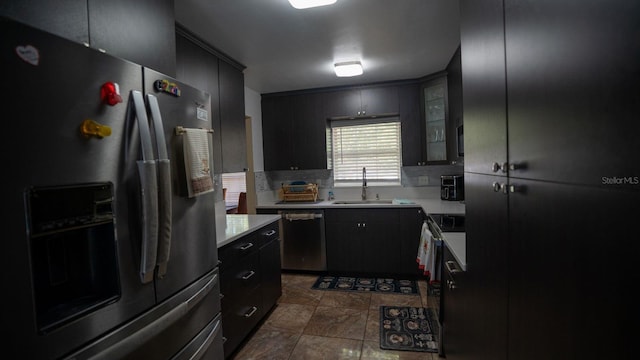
point(435, 113)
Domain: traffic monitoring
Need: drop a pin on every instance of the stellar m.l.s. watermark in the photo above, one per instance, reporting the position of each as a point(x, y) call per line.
point(620, 180)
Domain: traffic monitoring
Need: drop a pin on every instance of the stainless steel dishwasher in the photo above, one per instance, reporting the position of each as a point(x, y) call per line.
point(303, 242)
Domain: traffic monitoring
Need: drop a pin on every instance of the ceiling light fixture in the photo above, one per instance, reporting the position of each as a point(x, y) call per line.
point(348, 68)
point(304, 4)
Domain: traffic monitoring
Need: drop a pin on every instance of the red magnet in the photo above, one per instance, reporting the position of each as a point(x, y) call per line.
point(110, 93)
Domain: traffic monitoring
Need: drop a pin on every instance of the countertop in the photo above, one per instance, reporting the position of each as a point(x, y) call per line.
point(457, 244)
point(430, 206)
point(240, 225)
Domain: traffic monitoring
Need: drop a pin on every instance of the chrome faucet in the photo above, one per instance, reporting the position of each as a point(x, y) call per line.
point(364, 183)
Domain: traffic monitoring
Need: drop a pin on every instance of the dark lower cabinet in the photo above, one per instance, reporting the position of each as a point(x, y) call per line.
point(271, 274)
point(453, 307)
point(411, 220)
point(362, 241)
point(250, 283)
point(572, 271)
point(372, 240)
point(483, 318)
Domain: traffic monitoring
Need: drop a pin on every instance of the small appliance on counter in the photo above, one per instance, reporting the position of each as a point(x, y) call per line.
point(452, 187)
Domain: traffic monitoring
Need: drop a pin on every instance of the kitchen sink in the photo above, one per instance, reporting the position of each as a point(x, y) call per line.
point(356, 202)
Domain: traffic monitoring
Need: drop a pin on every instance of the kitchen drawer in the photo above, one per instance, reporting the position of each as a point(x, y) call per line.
point(362, 215)
point(234, 252)
point(269, 233)
point(239, 317)
point(241, 277)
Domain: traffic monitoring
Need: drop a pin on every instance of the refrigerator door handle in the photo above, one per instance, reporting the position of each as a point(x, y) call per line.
point(129, 344)
point(164, 188)
point(148, 193)
point(197, 297)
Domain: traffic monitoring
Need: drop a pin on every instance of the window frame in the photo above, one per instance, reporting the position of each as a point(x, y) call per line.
point(354, 173)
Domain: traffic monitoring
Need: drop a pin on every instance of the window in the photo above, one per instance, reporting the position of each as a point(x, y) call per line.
point(235, 183)
point(372, 143)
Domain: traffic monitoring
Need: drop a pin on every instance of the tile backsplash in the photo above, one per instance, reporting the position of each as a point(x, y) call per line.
point(417, 182)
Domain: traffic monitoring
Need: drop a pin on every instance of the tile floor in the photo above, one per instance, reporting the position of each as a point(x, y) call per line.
point(315, 324)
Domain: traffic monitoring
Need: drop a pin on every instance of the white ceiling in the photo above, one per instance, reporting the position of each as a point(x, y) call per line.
point(287, 49)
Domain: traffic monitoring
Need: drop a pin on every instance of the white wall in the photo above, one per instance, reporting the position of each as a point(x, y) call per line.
point(253, 108)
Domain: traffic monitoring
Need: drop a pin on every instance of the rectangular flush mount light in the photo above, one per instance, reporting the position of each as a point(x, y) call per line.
point(304, 4)
point(348, 68)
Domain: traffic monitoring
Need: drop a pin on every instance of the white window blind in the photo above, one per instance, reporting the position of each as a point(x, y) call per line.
point(235, 183)
point(373, 144)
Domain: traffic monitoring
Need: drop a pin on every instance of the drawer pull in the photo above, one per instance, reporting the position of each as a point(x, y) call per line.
point(251, 312)
point(270, 232)
point(247, 246)
point(250, 274)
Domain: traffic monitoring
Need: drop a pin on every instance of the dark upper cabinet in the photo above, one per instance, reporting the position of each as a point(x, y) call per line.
point(367, 101)
point(435, 97)
point(379, 100)
point(199, 68)
point(232, 118)
point(276, 132)
point(199, 65)
point(454, 105)
point(66, 18)
point(484, 92)
point(572, 93)
point(412, 126)
point(294, 132)
point(345, 102)
point(139, 31)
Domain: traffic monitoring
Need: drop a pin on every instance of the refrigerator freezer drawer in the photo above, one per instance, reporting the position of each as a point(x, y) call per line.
point(164, 331)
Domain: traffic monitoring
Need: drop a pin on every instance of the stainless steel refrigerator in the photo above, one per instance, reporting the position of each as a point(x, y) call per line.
point(107, 250)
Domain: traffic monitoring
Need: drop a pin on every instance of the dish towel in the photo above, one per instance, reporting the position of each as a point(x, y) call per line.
point(426, 257)
point(197, 160)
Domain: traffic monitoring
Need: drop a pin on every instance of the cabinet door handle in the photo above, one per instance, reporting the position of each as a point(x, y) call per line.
point(498, 186)
point(451, 267)
point(451, 284)
point(247, 246)
point(250, 274)
point(251, 312)
point(270, 232)
point(504, 167)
